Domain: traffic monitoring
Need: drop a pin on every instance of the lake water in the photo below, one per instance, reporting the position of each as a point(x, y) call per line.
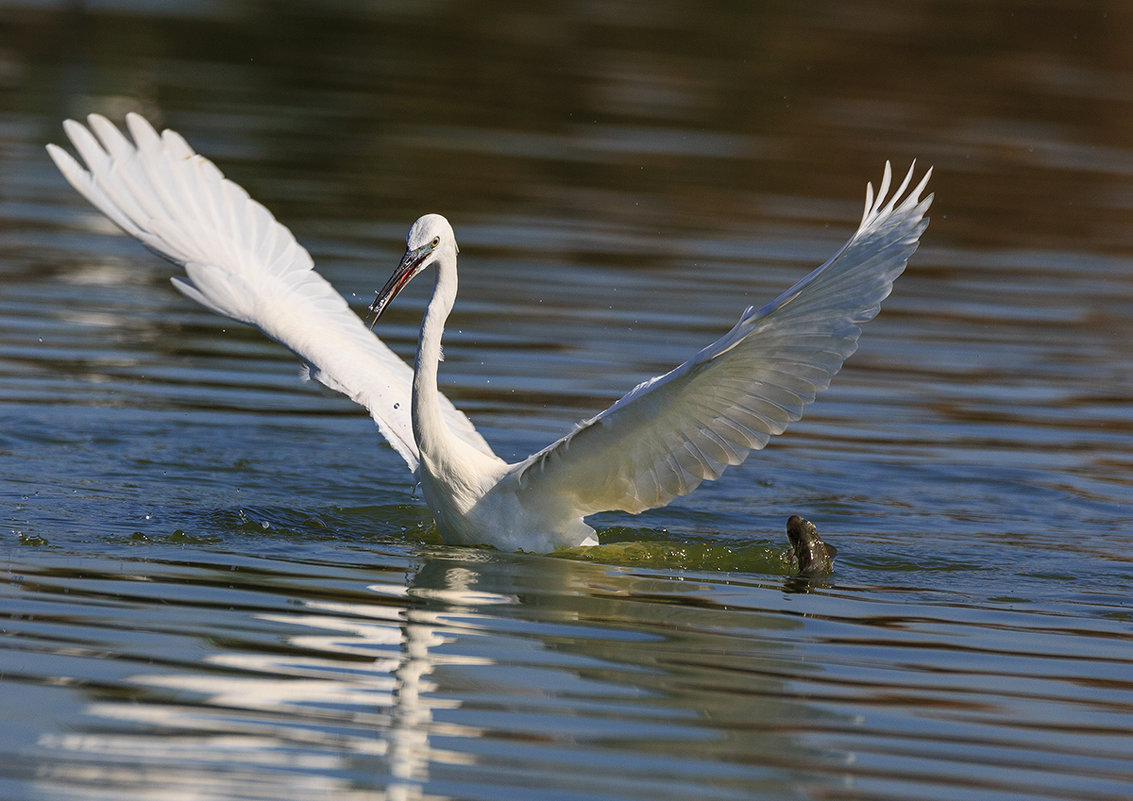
point(217, 582)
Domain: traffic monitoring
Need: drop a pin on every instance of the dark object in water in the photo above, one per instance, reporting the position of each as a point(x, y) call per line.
point(814, 556)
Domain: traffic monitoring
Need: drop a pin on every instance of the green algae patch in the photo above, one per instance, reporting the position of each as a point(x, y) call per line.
point(670, 555)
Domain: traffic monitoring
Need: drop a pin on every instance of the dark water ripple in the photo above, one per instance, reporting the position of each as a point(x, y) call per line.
point(275, 673)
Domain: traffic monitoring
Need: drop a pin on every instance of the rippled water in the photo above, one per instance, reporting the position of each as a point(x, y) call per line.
point(217, 582)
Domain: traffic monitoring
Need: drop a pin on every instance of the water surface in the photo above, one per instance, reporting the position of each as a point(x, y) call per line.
point(217, 581)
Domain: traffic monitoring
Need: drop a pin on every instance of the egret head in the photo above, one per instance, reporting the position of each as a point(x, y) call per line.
point(429, 240)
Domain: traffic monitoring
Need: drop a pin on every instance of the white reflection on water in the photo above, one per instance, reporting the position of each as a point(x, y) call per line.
point(483, 670)
point(311, 717)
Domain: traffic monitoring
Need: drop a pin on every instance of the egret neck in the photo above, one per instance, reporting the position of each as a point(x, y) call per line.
point(454, 476)
point(429, 430)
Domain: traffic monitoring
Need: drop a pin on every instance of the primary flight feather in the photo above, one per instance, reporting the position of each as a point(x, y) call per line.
point(661, 440)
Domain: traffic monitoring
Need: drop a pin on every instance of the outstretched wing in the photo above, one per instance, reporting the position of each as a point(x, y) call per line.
point(241, 263)
point(674, 431)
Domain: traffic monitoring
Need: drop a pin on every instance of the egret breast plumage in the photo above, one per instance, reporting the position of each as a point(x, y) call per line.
point(661, 440)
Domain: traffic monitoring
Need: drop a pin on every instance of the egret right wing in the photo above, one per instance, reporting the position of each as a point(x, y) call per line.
point(241, 263)
point(672, 432)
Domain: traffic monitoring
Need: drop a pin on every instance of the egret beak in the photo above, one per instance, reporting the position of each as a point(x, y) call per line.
point(411, 264)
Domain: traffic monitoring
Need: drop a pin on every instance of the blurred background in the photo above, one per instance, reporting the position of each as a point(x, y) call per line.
point(220, 584)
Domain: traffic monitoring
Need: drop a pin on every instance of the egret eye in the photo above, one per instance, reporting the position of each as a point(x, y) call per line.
point(436, 241)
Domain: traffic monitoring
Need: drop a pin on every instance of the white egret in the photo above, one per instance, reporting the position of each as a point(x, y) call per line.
point(661, 440)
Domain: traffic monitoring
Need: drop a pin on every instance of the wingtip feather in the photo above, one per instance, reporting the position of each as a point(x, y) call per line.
point(143, 133)
point(868, 203)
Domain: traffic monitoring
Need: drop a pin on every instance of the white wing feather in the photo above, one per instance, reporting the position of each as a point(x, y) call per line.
point(674, 431)
point(241, 263)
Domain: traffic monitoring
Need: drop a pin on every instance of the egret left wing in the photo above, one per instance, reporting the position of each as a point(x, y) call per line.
point(242, 263)
point(675, 431)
